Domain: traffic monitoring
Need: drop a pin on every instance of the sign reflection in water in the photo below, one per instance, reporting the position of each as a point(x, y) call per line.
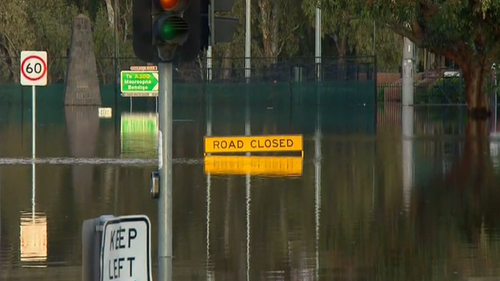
point(33, 236)
point(33, 231)
point(253, 165)
point(139, 135)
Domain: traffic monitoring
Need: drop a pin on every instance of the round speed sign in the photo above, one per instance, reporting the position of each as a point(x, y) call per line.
point(34, 68)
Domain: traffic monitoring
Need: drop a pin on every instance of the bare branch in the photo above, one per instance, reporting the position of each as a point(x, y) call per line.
point(282, 45)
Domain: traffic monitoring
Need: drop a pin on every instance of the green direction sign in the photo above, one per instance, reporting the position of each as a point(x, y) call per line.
point(139, 83)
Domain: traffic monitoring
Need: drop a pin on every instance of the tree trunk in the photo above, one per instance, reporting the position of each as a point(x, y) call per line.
point(111, 13)
point(269, 26)
point(227, 63)
point(475, 90)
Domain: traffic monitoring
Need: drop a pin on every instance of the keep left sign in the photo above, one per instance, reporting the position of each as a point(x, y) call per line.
point(126, 249)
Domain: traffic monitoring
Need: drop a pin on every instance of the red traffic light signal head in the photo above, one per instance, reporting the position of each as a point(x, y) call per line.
point(172, 5)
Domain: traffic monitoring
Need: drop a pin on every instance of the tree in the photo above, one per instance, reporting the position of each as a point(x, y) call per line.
point(464, 31)
point(278, 20)
point(353, 34)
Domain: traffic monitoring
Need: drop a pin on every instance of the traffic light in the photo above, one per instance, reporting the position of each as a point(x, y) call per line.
point(164, 30)
point(216, 29)
point(170, 29)
point(191, 48)
point(142, 30)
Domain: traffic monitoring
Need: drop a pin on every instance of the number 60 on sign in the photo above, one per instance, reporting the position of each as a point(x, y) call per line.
point(33, 68)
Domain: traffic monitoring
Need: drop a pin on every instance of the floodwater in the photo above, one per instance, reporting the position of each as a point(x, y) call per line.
point(371, 200)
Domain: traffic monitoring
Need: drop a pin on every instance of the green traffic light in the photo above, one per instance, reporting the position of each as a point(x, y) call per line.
point(167, 32)
point(171, 29)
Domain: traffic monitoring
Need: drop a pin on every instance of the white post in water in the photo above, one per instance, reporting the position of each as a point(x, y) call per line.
point(407, 153)
point(165, 93)
point(248, 41)
point(408, 72)
point(33, 190)
point(317, 47)
point(248, 185)
point(317, 185)
point(209, 271)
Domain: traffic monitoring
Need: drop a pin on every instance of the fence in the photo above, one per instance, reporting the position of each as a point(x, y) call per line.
point(430, 87)
point(224, 70)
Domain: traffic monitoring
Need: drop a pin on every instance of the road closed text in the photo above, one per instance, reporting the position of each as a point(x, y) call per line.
point(253, 144)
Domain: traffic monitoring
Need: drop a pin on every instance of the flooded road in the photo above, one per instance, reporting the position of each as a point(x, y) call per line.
point(371, 202)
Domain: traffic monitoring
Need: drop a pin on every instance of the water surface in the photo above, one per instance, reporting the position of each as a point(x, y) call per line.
point(374, 201)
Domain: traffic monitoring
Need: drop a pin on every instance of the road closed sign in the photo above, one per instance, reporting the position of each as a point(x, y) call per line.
point(272, 143)
point(126, 249)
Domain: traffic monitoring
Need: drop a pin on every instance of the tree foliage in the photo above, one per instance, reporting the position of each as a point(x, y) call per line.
point(280, 29)
point(464, 31)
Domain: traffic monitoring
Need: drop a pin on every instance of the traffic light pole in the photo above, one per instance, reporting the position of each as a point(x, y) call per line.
point(165, 209)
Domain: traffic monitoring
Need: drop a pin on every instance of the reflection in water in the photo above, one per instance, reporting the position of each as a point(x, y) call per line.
point(82, 127)
point(283, 166)
point(33, 231)
point(408, 121)
point(317, 187)
point(33, 239)
point(341, 219)
point(82, 123)
point(461, 208)
point(139, 135)
point(248, 194)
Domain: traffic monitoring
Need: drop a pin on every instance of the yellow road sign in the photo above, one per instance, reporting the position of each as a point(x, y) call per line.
point(253, 165)
point(272, 143)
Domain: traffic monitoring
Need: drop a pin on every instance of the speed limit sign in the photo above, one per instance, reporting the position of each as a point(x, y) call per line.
point(33, 68)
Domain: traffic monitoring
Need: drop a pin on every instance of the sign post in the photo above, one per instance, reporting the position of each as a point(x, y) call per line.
point(165, 170)
point(33, 73)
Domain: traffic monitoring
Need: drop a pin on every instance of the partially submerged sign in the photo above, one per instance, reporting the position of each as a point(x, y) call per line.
point(272, 143)
point(254, 165)
point(126, 249)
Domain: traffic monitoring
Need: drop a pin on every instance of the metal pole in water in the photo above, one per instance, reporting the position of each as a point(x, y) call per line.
point(317, 186)
point(408, 69)
point(165, 170)
point(248, 40)
point(496, 96)
point(33, 149)
point(407, 154)
point(317, 52)
point(209, 272)
point(248, 185)
point(0, 204)
point(33, 122)
point(33, 190)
